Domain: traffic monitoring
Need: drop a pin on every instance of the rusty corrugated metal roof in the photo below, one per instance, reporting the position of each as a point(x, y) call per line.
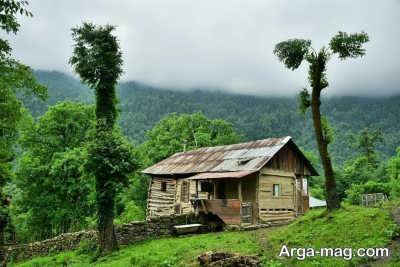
point(249, 156)
point(218, 175)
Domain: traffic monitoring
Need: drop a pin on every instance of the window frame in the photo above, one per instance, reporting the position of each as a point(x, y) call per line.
point(276, 193)
point(163, 186)
point(185, 195)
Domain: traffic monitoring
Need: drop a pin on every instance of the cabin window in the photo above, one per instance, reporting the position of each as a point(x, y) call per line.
point(207, 187)
point(276, 190)
point(185, 191)
point(163, 186)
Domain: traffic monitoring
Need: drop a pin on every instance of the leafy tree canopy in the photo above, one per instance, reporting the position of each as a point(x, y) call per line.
point(179, 132)
point(349, 45)
point(14, 78)
point(394, 174)
point(53, 193)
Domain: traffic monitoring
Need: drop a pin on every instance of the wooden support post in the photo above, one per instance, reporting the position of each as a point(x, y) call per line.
point(240, 190)
point(301, 195)
point(197, 189)
point(215, 189)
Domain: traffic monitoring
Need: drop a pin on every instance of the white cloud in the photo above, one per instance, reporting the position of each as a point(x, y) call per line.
point(225, 44)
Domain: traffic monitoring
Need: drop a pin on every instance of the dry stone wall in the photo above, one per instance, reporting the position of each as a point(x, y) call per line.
point(128, 233)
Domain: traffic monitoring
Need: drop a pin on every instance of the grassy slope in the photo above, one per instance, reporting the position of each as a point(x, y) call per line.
point(350, 227)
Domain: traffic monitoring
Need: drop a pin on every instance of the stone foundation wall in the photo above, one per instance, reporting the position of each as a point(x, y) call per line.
point(128, 233)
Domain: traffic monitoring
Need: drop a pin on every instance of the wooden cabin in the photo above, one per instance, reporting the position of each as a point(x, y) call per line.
point(246, 183)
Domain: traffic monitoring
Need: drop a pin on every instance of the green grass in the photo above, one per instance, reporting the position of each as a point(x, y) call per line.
point(179, 251)
point(350, 227)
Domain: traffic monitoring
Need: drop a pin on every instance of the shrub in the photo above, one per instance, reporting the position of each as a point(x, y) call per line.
point(353, 194)
point(87, 247)
point(132, 212)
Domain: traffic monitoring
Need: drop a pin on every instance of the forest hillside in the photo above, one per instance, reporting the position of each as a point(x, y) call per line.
point(142, 106)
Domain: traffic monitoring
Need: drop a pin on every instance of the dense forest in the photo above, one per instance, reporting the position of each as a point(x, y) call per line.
point(142, 106)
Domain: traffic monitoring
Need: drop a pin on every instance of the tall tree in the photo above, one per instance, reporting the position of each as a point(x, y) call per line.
point(98, 61)
point(53, 193)
point(292, 53)
point(366, 142)
point(394, 173)
point(15, 79)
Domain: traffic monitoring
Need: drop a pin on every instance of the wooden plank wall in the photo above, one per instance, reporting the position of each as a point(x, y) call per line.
point(276, 208)
point(227, 209)
point(166, 203)
point(161, 203)
point(249, 188)
point(287, 160)
point(185, 207)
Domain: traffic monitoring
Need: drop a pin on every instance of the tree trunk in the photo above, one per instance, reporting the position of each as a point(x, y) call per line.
point(106, 114)
point(107, 238)
point(105, 211)
point(332, 200)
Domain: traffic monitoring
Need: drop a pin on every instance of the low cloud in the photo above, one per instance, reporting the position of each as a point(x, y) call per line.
point(224, 44)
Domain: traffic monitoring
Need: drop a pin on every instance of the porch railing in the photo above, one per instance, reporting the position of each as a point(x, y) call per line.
point(231, 211)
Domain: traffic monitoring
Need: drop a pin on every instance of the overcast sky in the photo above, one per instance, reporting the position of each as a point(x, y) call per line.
point(224, 44)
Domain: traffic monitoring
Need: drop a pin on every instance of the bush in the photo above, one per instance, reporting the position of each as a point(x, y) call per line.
point(353, 194)
point(131, 212)
point(87, 247)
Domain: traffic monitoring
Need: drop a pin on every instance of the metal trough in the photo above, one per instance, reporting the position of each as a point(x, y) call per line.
point(187, 228)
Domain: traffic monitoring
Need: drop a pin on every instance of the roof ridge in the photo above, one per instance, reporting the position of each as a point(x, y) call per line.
point(284, 139)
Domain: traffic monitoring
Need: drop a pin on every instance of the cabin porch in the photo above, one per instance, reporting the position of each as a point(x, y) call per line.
point(232, 198)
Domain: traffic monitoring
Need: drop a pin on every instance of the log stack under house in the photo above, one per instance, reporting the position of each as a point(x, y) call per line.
point(247, 183)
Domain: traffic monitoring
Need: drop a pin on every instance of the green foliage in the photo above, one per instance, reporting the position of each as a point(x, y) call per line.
point(327, 130)
point(349, 45)
point(317, 70)
point(15, 78)
point(95, 51)
point(394, 174)
point(97, 59)
point(137, 190)
point(176, 133)
point(353, 194)
point(362, 171)
point(9, 9)
point(366, 142)
point(86, 247)
point(111, 156)
point(358, 170)
point(317, 192)
point(53, 194)
point(292, 52)
point(304, 98)
point(131, 212)
point(111, 160)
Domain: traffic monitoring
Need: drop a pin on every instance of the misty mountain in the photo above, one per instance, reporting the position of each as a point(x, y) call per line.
point(254, 117)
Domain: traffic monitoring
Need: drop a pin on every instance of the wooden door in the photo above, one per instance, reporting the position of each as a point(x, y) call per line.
point(247, 212)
